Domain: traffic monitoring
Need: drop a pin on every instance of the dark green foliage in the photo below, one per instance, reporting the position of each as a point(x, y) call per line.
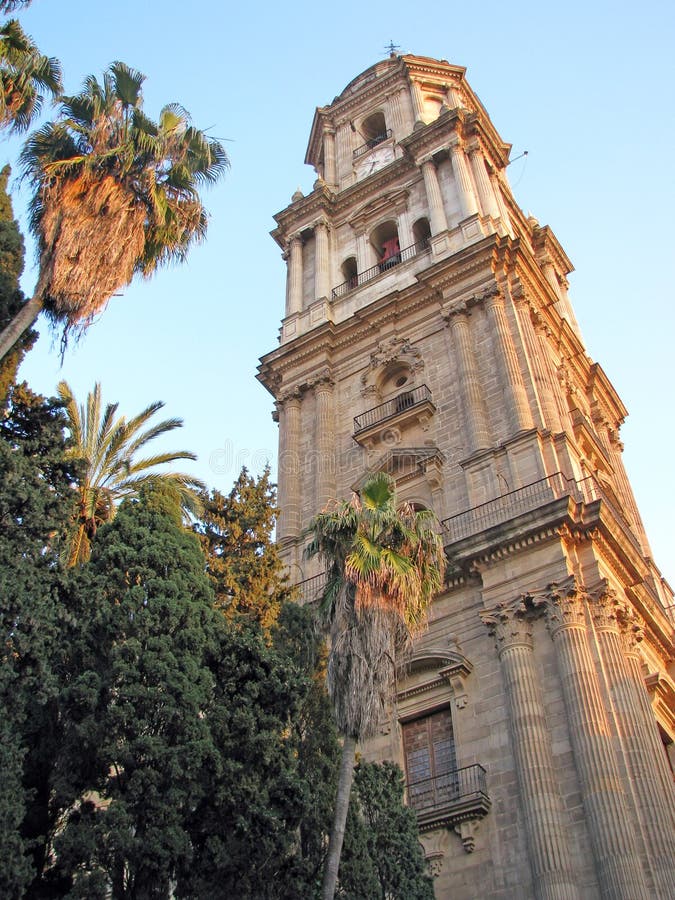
point(242, 560)
point(36, 505)
point(382, 856)
point(11, 296)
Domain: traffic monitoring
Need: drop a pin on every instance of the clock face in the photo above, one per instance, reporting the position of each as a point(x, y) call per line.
point(371, 162)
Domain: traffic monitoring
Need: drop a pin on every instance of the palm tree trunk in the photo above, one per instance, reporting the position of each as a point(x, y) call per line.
point(20, 324)
point(341, 806)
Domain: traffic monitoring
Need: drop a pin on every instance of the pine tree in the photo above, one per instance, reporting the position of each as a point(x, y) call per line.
point(242, 560)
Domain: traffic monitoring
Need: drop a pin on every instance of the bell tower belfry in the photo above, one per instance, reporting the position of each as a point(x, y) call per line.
point(428, 332)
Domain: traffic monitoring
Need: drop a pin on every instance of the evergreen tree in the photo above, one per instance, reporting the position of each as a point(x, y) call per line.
point(11, 296)
point(382, 856)
point(36, 506)
point(242, 560)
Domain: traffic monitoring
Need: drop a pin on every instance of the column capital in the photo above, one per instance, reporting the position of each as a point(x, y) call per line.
point(631, 629)
point(321, 222)
point(565, 606)
point(323, 383)
point(605, 607)
point(290, 397)
point(510, 623)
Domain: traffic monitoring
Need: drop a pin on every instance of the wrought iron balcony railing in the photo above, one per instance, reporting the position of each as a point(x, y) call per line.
point(373, 142)
point(310, 589)
point(404, 401)
point(450, 796)
point(375, 271)
point(529, 498)
point(509, 505)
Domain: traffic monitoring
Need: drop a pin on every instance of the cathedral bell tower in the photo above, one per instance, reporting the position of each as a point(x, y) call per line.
point(428, 332)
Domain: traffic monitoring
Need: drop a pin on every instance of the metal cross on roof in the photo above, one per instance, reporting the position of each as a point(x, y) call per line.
point(391, 48)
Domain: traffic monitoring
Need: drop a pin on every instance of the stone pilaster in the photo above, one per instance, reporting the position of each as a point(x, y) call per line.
point(507, 360)
point(615, 448)
point(486, 193)
point(511, 625)
point(437, 219)
point(617, 860)
point(294, 284)
point(289, 408)
point(365, 255)
point(324, 443)
point(631, 637)
point(417, 103)
point(634, 721)
point(322, 260)
point(465, 190)
point(329, 162)
point(470, 385)
point(501, 203)
point(537, 353)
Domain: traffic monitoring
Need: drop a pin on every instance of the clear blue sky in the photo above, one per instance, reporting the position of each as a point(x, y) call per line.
point(586, 88)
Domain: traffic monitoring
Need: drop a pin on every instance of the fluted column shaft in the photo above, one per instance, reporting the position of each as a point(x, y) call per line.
point(501, 203)
point(533, 753)
point(289, 467)
point(322, 272)
point(417, 102)
point(505, 353)
point(437, 218)
point(619, 869)
point(653, 807)
point(486, 194)
point(294, 289)
point(460, 169)
point(537, 355)
point(472, 396)
point(325, 444)
point(329, 167)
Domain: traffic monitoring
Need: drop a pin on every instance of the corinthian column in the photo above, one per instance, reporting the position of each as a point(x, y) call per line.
point(618, 865)
point(460, 169)
point(634, 722)
point(549, 854)
point(289, 466)
point(437, 219)
point(469, 381)
point(505, 353)
point(322, 274)
point(294, 287)
point(325, 444)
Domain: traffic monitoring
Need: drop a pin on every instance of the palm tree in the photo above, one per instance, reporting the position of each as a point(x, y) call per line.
point(108, 445)
point(7, 6)
point(115, 194)
point(25, 76)
point(384, 563)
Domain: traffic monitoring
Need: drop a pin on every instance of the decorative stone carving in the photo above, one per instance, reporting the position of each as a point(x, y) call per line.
point(567, 605)
point(391, 350)
point(467, 831)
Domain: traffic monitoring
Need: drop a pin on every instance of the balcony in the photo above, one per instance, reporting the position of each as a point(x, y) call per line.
point(451, 798)
point(375, 271)
point(414, 406)
point(508, 506)
point(311, 589)
point(532, 497)
point(373, 142)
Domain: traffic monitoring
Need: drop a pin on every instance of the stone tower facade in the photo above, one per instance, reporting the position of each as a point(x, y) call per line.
point(428, 332)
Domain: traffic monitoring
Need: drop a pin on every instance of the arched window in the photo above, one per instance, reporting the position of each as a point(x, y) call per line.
point(374, 129)
point(421, 233)
point(350, 272)
point(384, 239)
